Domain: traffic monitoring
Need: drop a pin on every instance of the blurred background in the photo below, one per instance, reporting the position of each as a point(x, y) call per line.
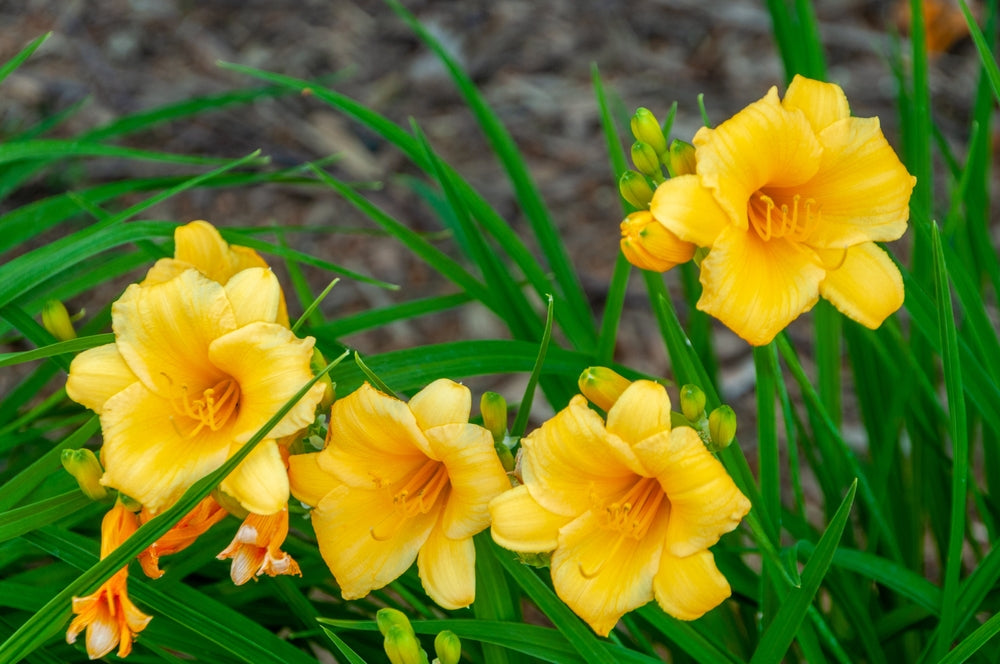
point(531, 60)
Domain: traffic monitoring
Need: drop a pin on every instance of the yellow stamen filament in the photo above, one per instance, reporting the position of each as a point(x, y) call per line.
point(631, 516)
point(417, 496)
point(771, 220)
point(216, 405)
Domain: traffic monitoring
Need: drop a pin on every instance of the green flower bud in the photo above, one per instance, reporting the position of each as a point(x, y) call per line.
point(386, 618)
point(646, 128)
point(681, 159)
point(602, 386)
point(722, 426)
point(83, 465)
point(447, 647)
point(56, 320)
point(494, 409)
point(692, 402)
point(635, 189)
point(401, 645)
point(646, 160)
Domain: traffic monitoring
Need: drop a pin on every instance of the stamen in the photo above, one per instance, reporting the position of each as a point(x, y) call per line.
point(216, 405)
point(762, 211)
point(634, 513)
point(420, 492)
point(417, 496)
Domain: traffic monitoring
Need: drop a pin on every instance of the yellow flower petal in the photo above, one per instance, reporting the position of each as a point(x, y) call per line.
point(146, 456)
point(163, 331)
point(475, 474)
point(862, 188)
point(363, 541)
point(447, 569)
point(374, 439)
point(571, 461)
point(519, 523)
point(165, 269)
point(822, 103)
point(442, 402)
point(270, 364)
point(689, 210)
point(601, 574)
point(255, 295)
point(689, 587)
point(200, 244)
point(260, 482)
point(762, 145)
point(704, 501)
point(867, 287)
point(755, 287)
point(308, 481)
point(96, 375)
point(641, 411)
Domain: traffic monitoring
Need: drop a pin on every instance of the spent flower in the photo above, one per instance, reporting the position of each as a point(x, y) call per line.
point(108, 615)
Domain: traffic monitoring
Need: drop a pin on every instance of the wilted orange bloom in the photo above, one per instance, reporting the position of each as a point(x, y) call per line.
point(256, 548)
point(627, 508)
point(108, 615)
point(206, 514)
point(399, 482)
point(790, 196)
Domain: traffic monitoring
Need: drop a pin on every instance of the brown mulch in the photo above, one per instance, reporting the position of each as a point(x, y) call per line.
point(531, 60)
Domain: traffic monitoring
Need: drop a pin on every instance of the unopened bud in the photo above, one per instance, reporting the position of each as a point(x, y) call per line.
point(317, 364)
point(648, 244)
point(386, 618)
point(646, 128)
point(602, 386)
point(692, 402)
point(494, 409)
point(646, 160)
point(722, 426)
point(447, 647)
point(83, 465)
point(56, 320)
point(402, 647)
point(681, 159)
point(635, 189)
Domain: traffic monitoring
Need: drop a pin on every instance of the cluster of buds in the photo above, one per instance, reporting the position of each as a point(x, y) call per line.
point(602, 387)
point(646, 243)
point(401, 644)
point(717, 428)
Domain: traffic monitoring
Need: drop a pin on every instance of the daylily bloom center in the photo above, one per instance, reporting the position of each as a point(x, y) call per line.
point(213, 409)
point(422, 490)
point(633, 514)
point(782, 216)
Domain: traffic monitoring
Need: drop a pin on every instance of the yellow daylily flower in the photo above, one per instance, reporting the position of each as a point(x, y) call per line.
point(108, 615)
point(791, 196)
point(399, 482)
point(197, 367)
point(627, 508)
point(199, 245)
